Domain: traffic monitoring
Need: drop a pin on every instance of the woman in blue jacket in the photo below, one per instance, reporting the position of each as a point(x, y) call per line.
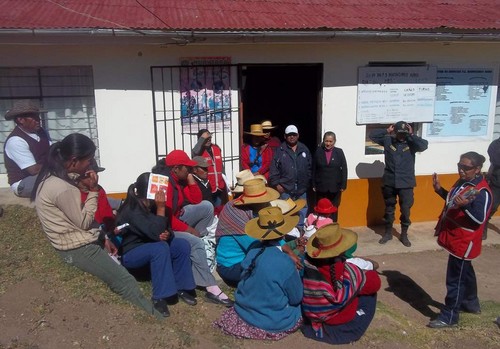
point(268, 297)
point(148, 240)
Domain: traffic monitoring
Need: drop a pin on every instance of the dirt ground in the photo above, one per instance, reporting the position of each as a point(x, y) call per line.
point(34, 314)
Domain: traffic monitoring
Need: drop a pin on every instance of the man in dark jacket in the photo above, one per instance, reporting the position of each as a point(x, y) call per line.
point(290, 170)
point(400, 146)
point(493, 178)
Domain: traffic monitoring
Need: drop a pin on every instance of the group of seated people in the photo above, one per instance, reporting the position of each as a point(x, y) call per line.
point(285, 278)
point(283, 281)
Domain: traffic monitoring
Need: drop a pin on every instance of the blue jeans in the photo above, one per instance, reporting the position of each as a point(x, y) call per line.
point(461, 290)
point(170, 265)
point(302, 212)
point(199, 216)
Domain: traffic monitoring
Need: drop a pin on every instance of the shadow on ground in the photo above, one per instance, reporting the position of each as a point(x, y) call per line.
point(403, 287)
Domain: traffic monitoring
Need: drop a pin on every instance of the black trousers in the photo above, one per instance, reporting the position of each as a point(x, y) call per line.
point(406, 199)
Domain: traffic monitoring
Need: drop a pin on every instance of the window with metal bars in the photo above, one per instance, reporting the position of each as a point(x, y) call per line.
point(66, 92)
point(187, 99)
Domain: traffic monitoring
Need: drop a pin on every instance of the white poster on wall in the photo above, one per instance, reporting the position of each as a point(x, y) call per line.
point(463, 104)
point(389, 94)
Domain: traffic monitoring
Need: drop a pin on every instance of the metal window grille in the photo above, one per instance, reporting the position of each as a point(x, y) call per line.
point(67, 93)
point(189, 98)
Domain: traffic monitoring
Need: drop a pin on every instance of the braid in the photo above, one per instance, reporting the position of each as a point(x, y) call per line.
point(251, 267)
point(336, 272)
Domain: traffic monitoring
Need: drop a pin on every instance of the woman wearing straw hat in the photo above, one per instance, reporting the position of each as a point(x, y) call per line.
point(339, 298)
point(267, 301)
point(257, 155)
point(233, 243)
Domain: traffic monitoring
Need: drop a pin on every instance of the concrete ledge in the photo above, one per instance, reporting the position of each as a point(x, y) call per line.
point(7, 197)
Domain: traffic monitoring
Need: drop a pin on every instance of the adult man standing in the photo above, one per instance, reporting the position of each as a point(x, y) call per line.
point(26, 148)
point(290, 170)
point(400, 146)
point(493, 178)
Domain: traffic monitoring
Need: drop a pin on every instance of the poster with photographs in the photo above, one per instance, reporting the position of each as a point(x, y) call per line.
point(205, 93)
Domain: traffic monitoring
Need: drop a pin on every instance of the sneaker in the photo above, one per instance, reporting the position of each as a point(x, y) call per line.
point(161, 306)
point(187, 298)
point(439, 324)
point(217, 300)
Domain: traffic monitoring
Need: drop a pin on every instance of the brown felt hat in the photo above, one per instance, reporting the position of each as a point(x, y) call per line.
point(23, 108)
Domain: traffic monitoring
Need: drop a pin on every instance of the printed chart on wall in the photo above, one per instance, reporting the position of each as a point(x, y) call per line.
point(387, 94)
point(463, 104)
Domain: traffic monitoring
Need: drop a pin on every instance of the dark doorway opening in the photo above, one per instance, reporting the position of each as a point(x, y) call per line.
point(285, 94)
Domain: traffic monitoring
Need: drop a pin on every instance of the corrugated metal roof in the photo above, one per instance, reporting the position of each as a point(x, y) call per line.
point(251, 15)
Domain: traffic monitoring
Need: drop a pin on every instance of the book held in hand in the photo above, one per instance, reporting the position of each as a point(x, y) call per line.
point(157, 182)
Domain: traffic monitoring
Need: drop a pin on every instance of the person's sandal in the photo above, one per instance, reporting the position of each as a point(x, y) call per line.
point(215, 299)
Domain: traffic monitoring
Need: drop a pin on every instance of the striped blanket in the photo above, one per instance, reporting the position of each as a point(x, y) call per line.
point(321, 301)
point(232, 220)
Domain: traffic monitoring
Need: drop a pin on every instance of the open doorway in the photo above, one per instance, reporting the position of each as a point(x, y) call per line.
point(285, 94)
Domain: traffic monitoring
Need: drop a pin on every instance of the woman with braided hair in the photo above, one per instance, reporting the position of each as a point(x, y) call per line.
point(267, 300)
point(339, 298)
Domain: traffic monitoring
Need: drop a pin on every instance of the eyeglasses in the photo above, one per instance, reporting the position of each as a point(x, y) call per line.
point(292, 135)
point(465, 167)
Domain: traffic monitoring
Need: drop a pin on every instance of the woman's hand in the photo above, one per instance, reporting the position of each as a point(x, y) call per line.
point(160, 198)
point(460, 201)
point(110, 247)
point(89, 181)
point(435, 182)
point(193, 231)
point(165, 235)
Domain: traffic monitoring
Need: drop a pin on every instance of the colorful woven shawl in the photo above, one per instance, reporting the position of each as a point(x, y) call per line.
point(232, 220)
point(321, 301)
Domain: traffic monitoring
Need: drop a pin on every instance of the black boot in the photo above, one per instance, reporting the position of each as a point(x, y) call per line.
point(404, 236)
point(387, 235)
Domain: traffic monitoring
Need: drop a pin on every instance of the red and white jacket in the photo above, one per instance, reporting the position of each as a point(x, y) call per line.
point(215, 168)
point(460, 229)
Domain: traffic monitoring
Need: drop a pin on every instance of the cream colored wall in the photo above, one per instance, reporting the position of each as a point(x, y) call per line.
point(124, 101)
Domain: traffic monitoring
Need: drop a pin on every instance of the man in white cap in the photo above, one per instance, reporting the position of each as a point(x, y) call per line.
point(291, 169)
point(26, 148)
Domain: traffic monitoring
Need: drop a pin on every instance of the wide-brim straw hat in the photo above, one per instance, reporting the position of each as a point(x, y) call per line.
point(271, 224)
point(22, 108)
point(256, 130)
point(288, 206)
point(330, 241)
point(256, 192)
point(267, 125)
point(325, 206)
point(241, 178)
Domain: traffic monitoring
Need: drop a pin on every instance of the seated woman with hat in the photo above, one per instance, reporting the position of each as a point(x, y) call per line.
point(256, 156)
point(339, 298)
point(233, 243)
point(267, 300)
